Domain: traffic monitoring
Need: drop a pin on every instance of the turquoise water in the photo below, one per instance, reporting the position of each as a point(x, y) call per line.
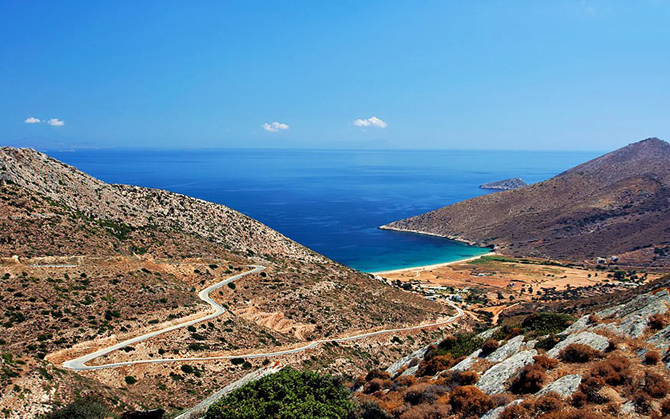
point(332, 200)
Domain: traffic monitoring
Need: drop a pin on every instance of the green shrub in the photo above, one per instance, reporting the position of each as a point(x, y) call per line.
point(538, 324)
point(459, 345)
point(130, 379)
point(85, 408)
point(286, 394)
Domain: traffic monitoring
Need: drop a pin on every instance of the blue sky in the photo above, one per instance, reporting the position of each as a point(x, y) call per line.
point(586, 75)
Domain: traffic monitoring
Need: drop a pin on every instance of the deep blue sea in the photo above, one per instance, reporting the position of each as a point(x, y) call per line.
point(332, 200)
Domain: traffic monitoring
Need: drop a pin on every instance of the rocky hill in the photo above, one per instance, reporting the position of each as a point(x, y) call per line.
point(606, 364)
point(614, 205)
point(505, 185)
point(84, 263)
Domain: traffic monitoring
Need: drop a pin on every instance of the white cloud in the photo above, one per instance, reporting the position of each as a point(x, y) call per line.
point(55, 122)
point(274, 127)
point(32, 120)
point(373, 121)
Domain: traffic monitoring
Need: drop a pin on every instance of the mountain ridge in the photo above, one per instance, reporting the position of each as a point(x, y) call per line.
point(614, 204)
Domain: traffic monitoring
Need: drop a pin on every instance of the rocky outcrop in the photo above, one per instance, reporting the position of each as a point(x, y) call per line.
point(591, 339)
point(496, 378)
point(564, 386)
point(508, 349)
point(405, 361)
point(661, 340)
point(640, 305)
point(467, 363)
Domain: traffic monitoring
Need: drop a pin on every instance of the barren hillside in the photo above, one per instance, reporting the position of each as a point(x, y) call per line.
point(615, 205)
point(84, 263)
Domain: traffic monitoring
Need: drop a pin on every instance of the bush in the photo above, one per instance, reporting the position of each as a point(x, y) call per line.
point(665, 407)
point(655, 385)
point(545, 362)
point(85, 408)
point(652, 358)
point(489, 347)
point(467, 378)
point(470, 400)
point(286, 394)
point(427, 411)
point(590, 387)
point(368, 410)
point(435, 364)
point(377, 374)
point(375, 385)
point(404, 381)
point(612, 371)
point(658, 321)
point(130, 379)
point(530, 380)
point(579, 399)
point(459, 345)
point(579, 353)
point(538, 324)
point(423, 393)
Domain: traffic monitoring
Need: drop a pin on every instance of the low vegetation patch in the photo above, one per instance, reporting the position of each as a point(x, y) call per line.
point(286, 394)
point(579, 353)
point(87, 408)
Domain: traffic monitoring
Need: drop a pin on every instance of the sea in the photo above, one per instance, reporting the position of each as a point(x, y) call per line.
point(333, 201)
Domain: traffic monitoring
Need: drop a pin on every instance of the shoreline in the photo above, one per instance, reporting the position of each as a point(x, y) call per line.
point(426, 233)
point(432, 266)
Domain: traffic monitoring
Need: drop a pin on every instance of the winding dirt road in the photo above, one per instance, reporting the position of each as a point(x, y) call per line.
point(79, 364)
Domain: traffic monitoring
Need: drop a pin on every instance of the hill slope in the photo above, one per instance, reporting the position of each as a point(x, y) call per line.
point(84, 264)
point(616, 204)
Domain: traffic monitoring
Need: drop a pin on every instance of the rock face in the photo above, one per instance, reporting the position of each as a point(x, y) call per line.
point(495, 379)
point(582, 213)
point(504, 185)
point(467, 362)
point(639, 305)
point(591, 339)
point(405, 361)
point(508, 349)
point(564, 386)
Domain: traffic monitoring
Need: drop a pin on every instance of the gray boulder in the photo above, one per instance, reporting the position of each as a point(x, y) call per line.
point(661, 340)
point(508, 349)
point(564, 386)
point(405, 361)
point(467, 362)
point(495, 379)
point(591, 339)
point(487, 334)
point(578, 326)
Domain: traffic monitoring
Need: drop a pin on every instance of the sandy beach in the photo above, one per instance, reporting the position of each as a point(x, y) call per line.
point(433, 266)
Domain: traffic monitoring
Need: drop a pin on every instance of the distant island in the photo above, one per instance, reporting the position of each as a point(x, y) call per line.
point(504, 185)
